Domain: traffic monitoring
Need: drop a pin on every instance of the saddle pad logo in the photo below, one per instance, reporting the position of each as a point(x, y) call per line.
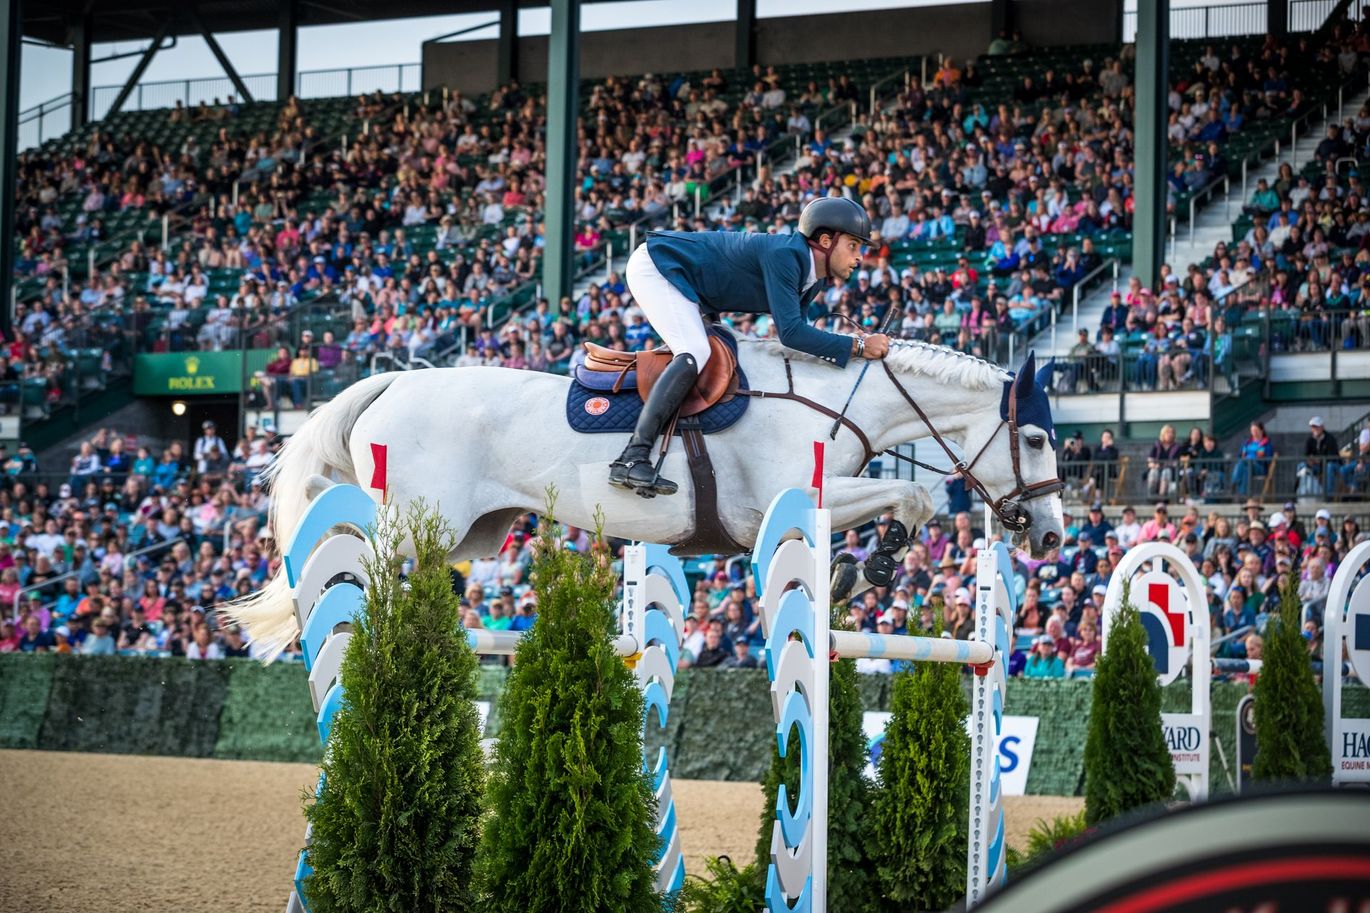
point(597, 405)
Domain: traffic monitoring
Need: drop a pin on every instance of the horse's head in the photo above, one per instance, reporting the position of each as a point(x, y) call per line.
point(1021, 478)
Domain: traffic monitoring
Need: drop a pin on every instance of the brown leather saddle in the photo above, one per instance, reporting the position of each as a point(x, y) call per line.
point(717, 382)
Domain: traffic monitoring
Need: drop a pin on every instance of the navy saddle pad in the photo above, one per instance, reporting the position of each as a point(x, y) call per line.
point(593, 408)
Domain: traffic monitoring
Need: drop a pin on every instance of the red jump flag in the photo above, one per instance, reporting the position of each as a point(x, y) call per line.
point(818, 470)
point(378, 474)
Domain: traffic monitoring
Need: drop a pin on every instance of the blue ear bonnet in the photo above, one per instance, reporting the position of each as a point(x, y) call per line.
point(1030, 387)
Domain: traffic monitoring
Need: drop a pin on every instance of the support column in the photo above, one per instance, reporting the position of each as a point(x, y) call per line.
point(80, 71)
point(287, 47)
point(11, 35)
point(1277, 17)
point(746, 35)
point(1000, 16)
point(1149, 219)
point(563, 102)
point(507, 66)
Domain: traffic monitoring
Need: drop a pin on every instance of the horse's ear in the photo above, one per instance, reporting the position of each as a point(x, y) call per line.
point(1027, 378)
point(1046, 374)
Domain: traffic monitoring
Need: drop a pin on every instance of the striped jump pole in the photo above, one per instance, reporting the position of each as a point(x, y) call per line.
point(791, 565)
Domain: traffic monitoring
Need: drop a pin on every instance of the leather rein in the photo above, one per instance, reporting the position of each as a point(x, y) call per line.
point(1008, 508)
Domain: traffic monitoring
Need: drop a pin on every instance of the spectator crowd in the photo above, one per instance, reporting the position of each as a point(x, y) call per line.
point(415, 227)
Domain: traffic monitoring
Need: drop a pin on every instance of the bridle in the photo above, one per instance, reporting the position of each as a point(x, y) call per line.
point(1008, 507)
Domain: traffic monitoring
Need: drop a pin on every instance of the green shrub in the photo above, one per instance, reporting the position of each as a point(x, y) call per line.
point(1127, 762)
point(571, 824)
point(395, 827)
point(1288, 709)
point(853, 886)
point(730, 890)
point(921, 806)
point(1045, 838)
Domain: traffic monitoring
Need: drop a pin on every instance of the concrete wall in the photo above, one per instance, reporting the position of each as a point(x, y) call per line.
point(962, 30)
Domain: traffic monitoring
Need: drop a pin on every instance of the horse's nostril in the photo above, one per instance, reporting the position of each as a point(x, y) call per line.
point(1051, 540)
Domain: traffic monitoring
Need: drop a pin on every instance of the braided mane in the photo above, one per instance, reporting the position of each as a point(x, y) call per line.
point(942, 364)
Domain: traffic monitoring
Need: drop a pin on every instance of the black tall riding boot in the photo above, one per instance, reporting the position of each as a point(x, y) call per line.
point(633, 469)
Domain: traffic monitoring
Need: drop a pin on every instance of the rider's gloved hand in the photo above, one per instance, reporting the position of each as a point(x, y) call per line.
point(877, 345)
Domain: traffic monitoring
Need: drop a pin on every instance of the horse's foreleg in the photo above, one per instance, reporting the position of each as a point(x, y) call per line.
point(854, 501)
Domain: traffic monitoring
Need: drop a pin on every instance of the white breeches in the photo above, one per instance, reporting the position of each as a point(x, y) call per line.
point(675, 318)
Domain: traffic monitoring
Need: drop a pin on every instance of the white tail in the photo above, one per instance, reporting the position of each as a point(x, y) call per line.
point(319, 448)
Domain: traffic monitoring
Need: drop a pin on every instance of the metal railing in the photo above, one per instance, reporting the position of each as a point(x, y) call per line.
point(330, 83)
point(400, 77)
point(1206, 193)
point(1224, 21)
point(1078, 290)
point(1225, 479)
point(44, 121)
point(1311, 15)
point(1232, 20)
point(1240, 353)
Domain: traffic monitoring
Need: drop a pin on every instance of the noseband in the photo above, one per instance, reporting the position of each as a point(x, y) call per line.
point(1009, 507)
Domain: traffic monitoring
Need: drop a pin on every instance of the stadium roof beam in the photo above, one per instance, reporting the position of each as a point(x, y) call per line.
point(746, 34)
point(137, 20)
point(11, 41)
point(139, 70)
point(219, 55)
point(1149, 172)
point(563, 104)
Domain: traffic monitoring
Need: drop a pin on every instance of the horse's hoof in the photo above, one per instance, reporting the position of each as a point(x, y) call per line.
point(844, 577)
point(895, 538)
point(880, 569)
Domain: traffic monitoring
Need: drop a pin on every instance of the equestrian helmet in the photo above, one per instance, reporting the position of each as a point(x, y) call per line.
point(835, 214)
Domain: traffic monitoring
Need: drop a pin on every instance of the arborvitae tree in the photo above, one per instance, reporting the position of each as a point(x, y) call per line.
point(396, 825)
point(853, 886)
point(921, 806)
point(1127, 761)
point(571, 810)
point(1288, 709)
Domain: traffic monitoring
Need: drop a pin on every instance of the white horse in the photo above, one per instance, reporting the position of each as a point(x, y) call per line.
point(484, 444)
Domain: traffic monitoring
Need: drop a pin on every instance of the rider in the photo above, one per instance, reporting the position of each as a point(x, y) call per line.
point(675, 276)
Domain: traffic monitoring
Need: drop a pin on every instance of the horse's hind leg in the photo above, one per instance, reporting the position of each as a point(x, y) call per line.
point(854, 501)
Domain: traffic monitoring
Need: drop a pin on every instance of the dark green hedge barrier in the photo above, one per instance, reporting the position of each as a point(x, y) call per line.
point(113, 704)
point(719, 727)
point(24, 685)
point(267, 715)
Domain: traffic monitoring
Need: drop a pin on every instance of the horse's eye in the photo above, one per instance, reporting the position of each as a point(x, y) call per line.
point(1036, 441)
